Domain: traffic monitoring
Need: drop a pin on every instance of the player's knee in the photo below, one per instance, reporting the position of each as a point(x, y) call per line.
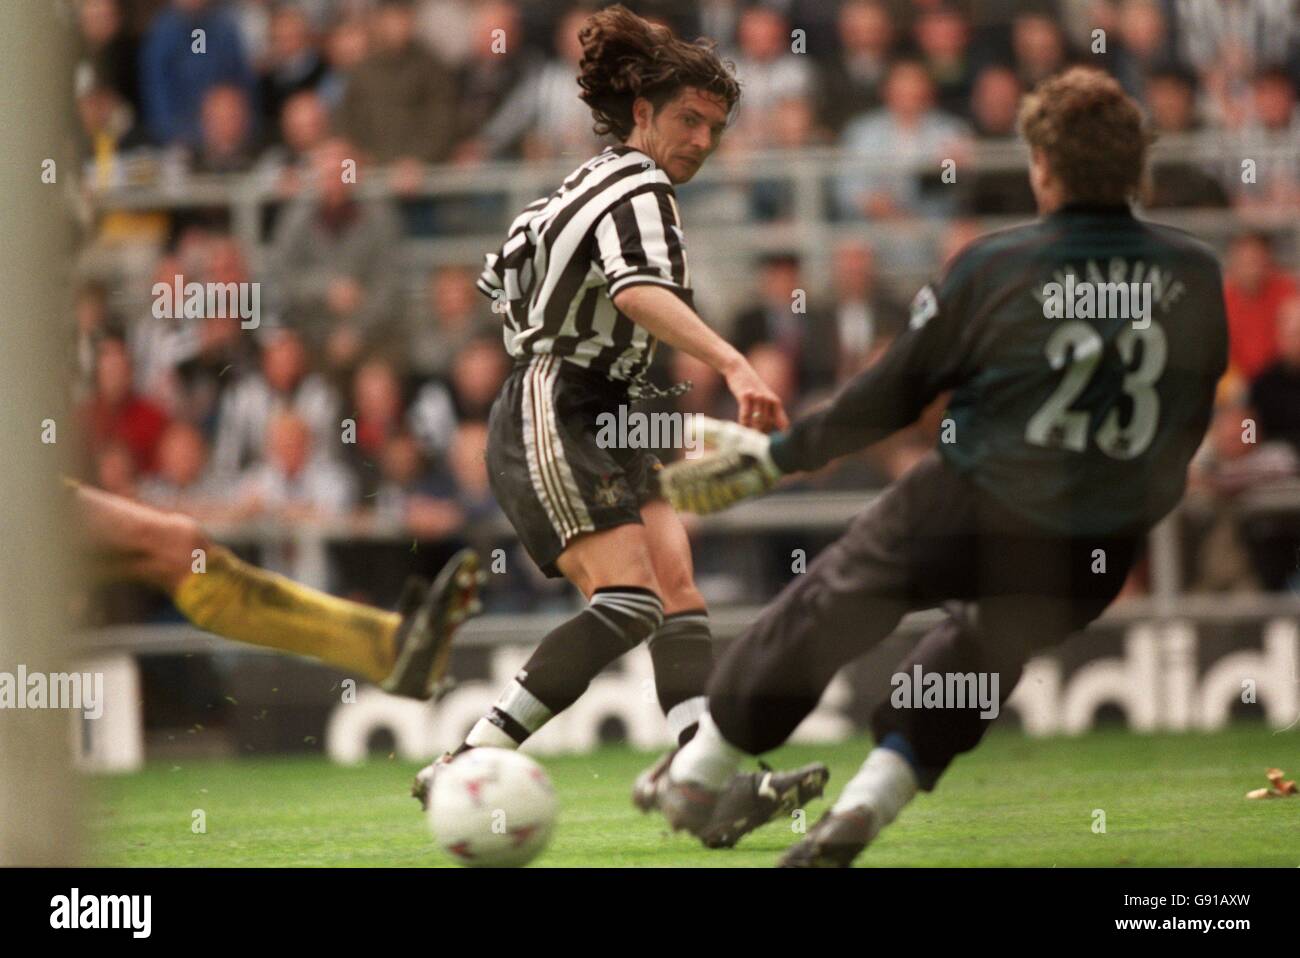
point(679, 592)
point(615, 557)
point(635, 613)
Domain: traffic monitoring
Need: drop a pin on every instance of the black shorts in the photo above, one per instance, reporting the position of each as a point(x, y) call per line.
point(549, 475)
point(930, 540)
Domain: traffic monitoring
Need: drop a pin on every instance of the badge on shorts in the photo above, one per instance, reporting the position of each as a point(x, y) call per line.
point(611, 491)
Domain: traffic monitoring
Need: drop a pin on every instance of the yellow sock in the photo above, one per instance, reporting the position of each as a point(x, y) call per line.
point(239, 601)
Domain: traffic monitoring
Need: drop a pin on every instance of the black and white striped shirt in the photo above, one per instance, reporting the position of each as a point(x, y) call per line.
point(612, 224)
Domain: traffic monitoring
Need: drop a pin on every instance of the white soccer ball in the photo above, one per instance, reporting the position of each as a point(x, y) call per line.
point(492, 808)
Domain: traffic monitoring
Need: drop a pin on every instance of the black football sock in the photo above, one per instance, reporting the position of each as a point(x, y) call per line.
point(682, 653)
point(615, 620)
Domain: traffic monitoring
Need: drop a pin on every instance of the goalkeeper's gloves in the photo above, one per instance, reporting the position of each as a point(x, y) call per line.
point(738, 465)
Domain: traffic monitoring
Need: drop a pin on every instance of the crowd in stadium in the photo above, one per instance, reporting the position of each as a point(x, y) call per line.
point(356, 398)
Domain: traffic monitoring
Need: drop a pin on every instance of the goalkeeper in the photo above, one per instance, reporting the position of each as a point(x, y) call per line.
point(1071, 431)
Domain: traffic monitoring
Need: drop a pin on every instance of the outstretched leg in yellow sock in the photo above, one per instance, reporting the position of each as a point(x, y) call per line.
point(228, 597)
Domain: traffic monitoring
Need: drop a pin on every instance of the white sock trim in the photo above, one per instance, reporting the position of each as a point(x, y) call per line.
point(485, 734)
point(523, 706)
point(885, 783)
point(681, 715)
point(708, 759)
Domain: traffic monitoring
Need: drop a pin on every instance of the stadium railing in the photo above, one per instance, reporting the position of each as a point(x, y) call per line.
point(811, 512)
point(719, 246)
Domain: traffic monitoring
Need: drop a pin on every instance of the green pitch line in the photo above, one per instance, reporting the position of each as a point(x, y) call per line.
point(1168, 800)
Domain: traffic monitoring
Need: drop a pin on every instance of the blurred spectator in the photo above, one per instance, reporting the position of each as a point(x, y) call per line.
point(304, 126)
point(1144, 45)
point(791, 125)
point(399, 102)
point(104, 131)
point(226, 140)
point(543, 118)
point(188, 363)
point(376, 407)
point(467, 460)
point(476, 377)
point(1270, 137)
point(1274, 101)
point(1236, 552)
point(115, 469)
point(93, 321)
point(292, 482)
point(180, 66)
point(107, 55)
point(182, 482)
point(907, 131)
point(334, 261)
point(1275, 392)
point(452, 314)
point(1261, 33)
point(995, 102)
point(1231, 461)
point(432, 417)
point(808, 337)
point(294, 65)
point(447, 28)
point(1171, 100)
point(253, 18)
point(943, 41)
point(422, 500)
point(115, 413)
point(1254, 289)
point(282, 383)
point(866, 318)
point(497, 64)
point(851, 79)
point(1039, 47)
point(769, 73)
point(346, 49)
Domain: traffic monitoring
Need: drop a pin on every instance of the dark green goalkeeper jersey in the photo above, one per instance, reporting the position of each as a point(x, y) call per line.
point(1082, 352)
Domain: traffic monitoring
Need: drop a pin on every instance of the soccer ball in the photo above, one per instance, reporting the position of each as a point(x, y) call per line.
point(492, 808)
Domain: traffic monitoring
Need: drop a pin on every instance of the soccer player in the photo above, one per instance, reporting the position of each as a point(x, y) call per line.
point(588, 280)
point(1078, 398)
point(404, 652)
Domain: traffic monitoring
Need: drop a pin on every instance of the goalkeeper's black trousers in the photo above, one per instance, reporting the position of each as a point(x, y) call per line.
point(930, 540)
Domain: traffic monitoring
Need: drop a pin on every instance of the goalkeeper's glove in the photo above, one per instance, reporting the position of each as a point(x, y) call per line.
point(738, 465)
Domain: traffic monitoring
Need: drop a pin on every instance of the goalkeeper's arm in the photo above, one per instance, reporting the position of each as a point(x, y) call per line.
point(925, 360)
point(744, 462)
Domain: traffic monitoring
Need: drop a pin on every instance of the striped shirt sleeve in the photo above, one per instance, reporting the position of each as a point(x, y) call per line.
point(489, 280)
point(639, 241)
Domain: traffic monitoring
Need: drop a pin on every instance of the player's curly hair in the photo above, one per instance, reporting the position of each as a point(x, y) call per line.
point(625, 57)
point(1091, 133)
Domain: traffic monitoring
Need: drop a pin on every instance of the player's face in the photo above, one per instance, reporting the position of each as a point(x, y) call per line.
point(684, 131)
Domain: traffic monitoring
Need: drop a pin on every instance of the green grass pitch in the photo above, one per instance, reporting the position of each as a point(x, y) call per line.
point(1170, 800)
